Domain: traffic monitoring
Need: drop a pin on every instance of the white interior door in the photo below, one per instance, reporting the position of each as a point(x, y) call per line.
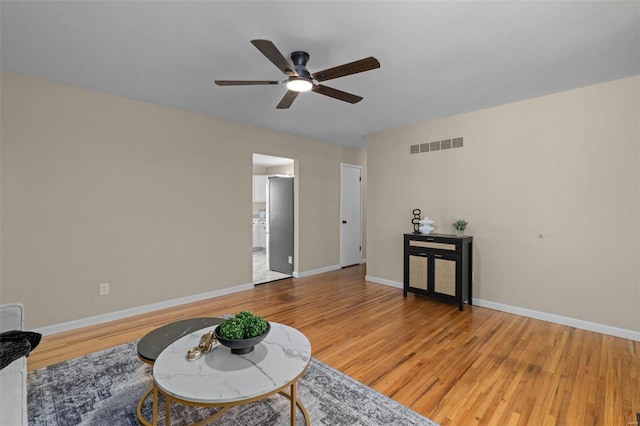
point(351, 215)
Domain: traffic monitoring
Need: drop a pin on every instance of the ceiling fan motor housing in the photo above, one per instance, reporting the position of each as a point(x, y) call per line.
point(300, 59)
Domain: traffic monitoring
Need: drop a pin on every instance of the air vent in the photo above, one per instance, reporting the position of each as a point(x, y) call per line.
point(436, 145)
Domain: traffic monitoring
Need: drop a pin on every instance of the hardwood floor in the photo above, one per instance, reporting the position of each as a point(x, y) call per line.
point(458, 368)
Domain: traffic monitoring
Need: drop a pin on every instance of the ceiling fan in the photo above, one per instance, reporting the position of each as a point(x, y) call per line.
point(299, 79)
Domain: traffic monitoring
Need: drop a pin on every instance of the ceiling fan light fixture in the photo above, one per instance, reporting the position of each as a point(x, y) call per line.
point(299, 84)
point(299, 79)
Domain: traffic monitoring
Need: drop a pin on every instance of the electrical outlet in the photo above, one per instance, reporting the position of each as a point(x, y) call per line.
point(104, 289)
point(291, 259)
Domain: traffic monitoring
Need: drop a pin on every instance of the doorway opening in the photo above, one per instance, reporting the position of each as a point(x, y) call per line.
point(272, 218)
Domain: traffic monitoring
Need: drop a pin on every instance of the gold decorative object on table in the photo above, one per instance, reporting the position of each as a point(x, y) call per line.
point(206, 343)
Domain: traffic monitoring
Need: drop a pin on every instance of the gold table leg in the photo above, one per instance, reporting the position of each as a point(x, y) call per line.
point(155, 405)
point(167, 410)
point(141, 419)
point(295, 403)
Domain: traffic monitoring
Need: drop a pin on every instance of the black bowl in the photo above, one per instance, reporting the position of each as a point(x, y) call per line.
point(242, 346)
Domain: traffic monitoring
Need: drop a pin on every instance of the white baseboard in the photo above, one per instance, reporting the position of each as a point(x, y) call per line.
point(321, 270)
point(112, 316)
point(544, 316)
point(558, 319)
point(390, 283)
point(315, 271)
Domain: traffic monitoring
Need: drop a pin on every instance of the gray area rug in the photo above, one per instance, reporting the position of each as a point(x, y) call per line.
point(103, 388)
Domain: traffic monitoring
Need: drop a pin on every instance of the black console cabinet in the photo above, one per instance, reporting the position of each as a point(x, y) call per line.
point(439, 267)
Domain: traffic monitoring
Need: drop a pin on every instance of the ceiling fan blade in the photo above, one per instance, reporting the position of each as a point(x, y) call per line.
point(355, 67)
point(272, 53)
point(336, 94)
point(287, 99)
point(244, 82)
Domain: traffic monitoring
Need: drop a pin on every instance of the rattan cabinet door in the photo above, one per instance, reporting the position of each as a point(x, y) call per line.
point(444, 279)
point(418, 272)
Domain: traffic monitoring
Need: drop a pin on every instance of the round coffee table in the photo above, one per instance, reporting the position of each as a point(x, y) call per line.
point(154, 342)
point(222, 379)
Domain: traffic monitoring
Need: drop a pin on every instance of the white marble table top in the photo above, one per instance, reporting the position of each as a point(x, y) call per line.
point(223, 377)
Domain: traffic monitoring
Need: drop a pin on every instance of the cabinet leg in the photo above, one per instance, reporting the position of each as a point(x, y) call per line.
point(470, 278)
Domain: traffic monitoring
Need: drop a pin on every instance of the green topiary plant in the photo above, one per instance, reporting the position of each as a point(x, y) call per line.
point(244, 325)
point(460, 224)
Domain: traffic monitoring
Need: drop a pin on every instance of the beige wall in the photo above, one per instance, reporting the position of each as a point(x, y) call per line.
point(564, 166)
point(97, 188)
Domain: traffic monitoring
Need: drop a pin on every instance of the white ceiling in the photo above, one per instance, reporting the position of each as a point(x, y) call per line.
point(437, 58)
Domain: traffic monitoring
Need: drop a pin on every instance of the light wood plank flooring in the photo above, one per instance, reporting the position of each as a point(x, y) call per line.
point(458, 368)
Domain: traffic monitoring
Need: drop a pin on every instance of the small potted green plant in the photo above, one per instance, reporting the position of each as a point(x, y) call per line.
point(242, 332)
point(460, 225)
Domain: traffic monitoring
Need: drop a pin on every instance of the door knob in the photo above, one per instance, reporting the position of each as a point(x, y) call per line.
point(344, 221)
